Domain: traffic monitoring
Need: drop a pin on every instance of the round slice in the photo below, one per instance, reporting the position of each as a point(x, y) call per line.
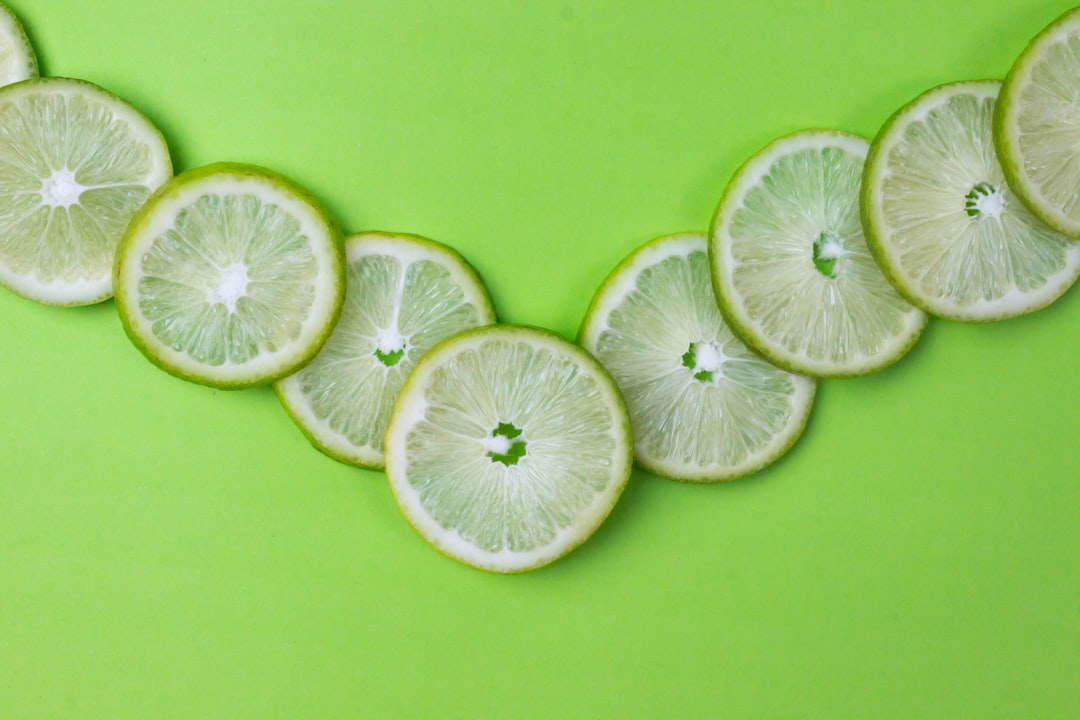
point(76, 162)
point(704, 407)
point(17, 59)
point(230, 276)
point(1037, 125)
point(942, 222)
point(791, 268)
point(403, 295)
point(508, 447)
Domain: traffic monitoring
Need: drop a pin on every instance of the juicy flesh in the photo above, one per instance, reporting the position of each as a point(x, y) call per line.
point(957, 230)
point(806, 195)
point(232, 279)
point(71, 177)
point(393, 314)
point(569, 430)
point(714, 404)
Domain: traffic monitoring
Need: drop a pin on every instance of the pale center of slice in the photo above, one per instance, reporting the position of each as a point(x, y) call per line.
point(984, 201)
point(233, 286)
point(505, 444)
point(61, 189)
point(390, 346)
point(827, 252)
point(705, 360)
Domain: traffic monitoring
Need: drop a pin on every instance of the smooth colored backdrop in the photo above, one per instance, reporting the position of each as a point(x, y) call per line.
point(169, 551)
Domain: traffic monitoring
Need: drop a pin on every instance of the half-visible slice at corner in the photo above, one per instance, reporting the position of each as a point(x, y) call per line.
point(17, 59)
point(230, 276)
point(508, 447)
point(942, 222)
point(791, 268)
point(703, 406)
point(404, 294)
point(76, 163)
point(1037, 125)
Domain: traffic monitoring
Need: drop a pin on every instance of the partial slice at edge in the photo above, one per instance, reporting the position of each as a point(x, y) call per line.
point(1037, 125)
point(704, 407)
point(404, 294)
point(791, 269)
point(77, 163)
point(508, 447)
point(943, 223)
point(17, 59)
point(230, 276)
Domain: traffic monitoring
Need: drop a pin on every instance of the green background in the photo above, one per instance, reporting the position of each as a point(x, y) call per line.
point(170, 551)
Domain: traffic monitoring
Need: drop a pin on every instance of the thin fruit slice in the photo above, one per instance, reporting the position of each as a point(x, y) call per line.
point(942, 222)
point(403, 295)
point(791, 269)
point(1037, 125)
point(17, 59)
point(230, 276)
point(76, 162)
point(508, 447)
point(704, 407)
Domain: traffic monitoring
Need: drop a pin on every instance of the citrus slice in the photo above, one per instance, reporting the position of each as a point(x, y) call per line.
point(76, 162)
point(1037, 125)
point(508, 447)
point(403, 295)
point(230, 276)
point(17, 59)
point(791, 268)
point(704, 407)
point(942, 222)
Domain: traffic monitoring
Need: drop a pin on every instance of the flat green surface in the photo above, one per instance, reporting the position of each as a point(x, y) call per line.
point(169, 551)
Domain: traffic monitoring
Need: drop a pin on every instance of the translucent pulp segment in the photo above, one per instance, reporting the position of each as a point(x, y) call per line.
point(230, 276)
point(76, 162)
point(703, 406)
point(1037, 125)
point(791, 268)
point(508, 447)
point(403, 295)
point(17, 59)
point(944, 224)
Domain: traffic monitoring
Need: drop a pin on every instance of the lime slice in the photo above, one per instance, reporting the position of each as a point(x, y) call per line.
point(403, 295)
point(76, 162)
point(1037, 125)
point(17, 59)
point(230, 276)
point(942, 222)
point(791, 268)
point(508, 447)
point(704, 407)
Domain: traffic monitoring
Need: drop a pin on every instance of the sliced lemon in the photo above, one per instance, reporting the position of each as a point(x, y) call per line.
point(230, 276)
point(403, 295)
